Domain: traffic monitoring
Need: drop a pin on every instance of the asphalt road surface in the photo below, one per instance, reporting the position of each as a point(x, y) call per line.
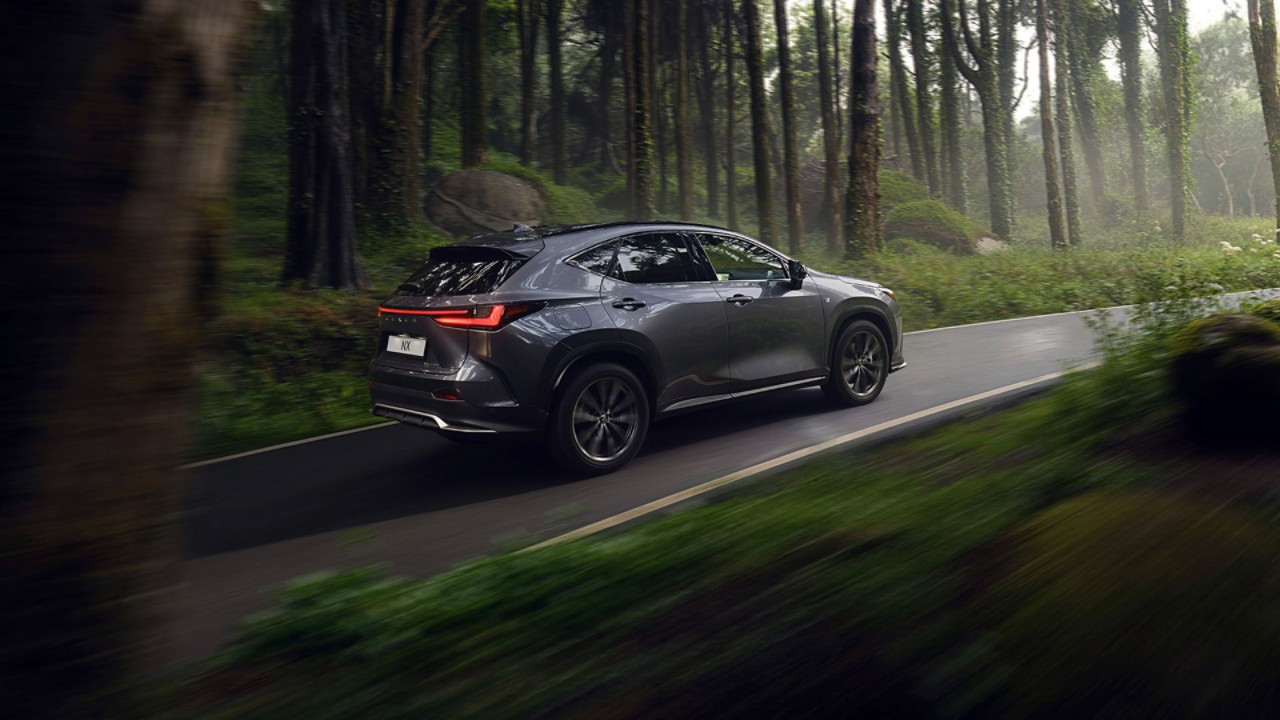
point(420, 504)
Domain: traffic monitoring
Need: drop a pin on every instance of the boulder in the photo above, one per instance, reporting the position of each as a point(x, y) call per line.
point(475, 202)
point(933, 223)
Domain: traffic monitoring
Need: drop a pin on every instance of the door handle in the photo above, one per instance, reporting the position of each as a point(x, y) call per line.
point(739, 300)
point(629, 304)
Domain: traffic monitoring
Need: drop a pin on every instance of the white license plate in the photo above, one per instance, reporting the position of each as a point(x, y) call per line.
point(407, 345)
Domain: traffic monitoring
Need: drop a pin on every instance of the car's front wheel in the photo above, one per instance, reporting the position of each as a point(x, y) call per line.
point(599, 421)
point(859, 364)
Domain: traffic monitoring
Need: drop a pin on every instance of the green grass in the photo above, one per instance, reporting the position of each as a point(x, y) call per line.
point(920, 579)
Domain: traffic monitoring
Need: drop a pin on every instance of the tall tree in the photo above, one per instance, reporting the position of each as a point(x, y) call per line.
point(117, 143)
point(473, 117)
point(1262, 36)
point(528, 13)
point(984, 75)
point(1048, 141)
point(705, 19)
point(863, 227)
point(555, 62)
point(1174, 52)
point(1085, 48)
point(320, 247)
point(684, 130)
point(830, 132)
point(1062, 66)
point(953, 171)
point(923, 64)
point(760, 130)
point(397, 193)
point(730, 116)
point(900, 90)
point(791, 153)
point(641, 135)
point(1130, 28)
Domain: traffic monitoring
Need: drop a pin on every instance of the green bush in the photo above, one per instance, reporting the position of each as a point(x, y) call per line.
point(932, 223)
point(899, 189)
point(1226, 369)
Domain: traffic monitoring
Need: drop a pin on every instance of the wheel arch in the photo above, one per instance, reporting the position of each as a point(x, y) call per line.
point(861, 312)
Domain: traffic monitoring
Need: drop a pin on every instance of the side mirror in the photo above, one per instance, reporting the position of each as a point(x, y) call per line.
point(798, 273)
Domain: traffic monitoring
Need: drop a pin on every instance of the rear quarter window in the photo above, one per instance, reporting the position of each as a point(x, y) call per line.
point(460, 271)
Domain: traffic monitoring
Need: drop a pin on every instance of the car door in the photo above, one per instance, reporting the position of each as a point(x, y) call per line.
point(659, 300)
point(775, 331)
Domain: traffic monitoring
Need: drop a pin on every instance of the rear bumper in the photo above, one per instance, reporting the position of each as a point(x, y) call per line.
point(473, 400)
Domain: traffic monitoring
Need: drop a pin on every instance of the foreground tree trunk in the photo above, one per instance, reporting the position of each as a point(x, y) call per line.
point(320, 248)
point(1262, 35)
point(1171, 32)
point(1070, 182)
point(791, 153)
point(1131, 73)
point(830, 132)
point(119, 125)
point(1050, 152)
point(863, 228)
point(760, 130)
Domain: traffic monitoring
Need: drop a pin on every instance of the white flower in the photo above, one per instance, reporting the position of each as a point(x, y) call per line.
point(1229, 248)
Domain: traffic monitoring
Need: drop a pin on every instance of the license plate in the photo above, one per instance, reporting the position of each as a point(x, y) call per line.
point(407, 345)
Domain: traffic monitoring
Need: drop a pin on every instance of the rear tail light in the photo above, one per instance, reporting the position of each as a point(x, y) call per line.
point(488, 317)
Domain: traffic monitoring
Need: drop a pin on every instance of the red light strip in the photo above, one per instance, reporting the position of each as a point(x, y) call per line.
point(445, 311)
point(482, 321)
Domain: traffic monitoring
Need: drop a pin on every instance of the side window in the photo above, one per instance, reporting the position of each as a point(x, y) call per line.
point(598, 259)
point(657, 258)
point(736, 259)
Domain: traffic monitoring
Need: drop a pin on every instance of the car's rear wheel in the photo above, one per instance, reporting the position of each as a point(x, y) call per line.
point(859, 364)
point(600, 420)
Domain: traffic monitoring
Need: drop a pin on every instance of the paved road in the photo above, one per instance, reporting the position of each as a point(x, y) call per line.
point(421, 504)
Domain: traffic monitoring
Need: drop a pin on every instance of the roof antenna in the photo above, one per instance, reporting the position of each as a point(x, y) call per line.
point(521, 229)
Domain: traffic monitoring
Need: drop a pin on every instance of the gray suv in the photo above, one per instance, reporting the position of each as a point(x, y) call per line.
point(588, 333)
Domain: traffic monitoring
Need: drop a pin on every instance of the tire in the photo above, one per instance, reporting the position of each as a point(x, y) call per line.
point(600, 420)
point(859, 365)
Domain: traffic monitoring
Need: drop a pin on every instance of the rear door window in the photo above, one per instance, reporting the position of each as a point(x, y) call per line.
point(656, 258)
point(461, 271)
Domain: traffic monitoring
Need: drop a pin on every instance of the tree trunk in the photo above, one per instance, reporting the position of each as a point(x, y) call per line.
point(1171, 32)
point(1262, 36)
point(1083, 63)
point(118, 131)
point(629, 90)
point(397, 198)
point(527, 14)
point(791, 154)
point(1006, 57)
point(760, 130)
point(953, 170)
point(643, 161)
point(707, 113)
point(863, 226)
point(320, 248)
point(731, 120)
point(473, 116)
point(837, 71)
point(684, 131)
point(830, 133)
point(1050, 153)
point(1131, 72)
point(900, 91)
point(659, 77)
point(559, 171)
point(984, 75)
point(920, 57)
point(1070, 184)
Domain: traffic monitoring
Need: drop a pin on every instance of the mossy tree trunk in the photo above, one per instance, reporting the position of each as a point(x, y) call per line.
point(791, 153)
point(683, 129)
point(320, 248)
point(863, 221)
point(473, 116)
point(1062, 93)
point(900, 89)
point(1129, 29)
point(830, 133)
point(705, 22)
point(1262, 36)
point(760, 125)
point(1085, 52)
point(555, 64)
point(730, 115)
point(923, 63)
point(641, 133)
point(119, 128)
point(1053, 195)
point(1174, 53)
point(953, 170)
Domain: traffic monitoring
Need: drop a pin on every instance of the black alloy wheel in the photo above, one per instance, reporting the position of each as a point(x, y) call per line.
point(600, 420)
point(860, 364)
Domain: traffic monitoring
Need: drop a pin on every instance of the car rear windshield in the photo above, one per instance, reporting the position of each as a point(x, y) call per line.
point(461, 271)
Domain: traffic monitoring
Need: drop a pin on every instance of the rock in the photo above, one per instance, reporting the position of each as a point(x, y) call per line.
point(987, 245)
point(475, 202)
point(933, 223)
